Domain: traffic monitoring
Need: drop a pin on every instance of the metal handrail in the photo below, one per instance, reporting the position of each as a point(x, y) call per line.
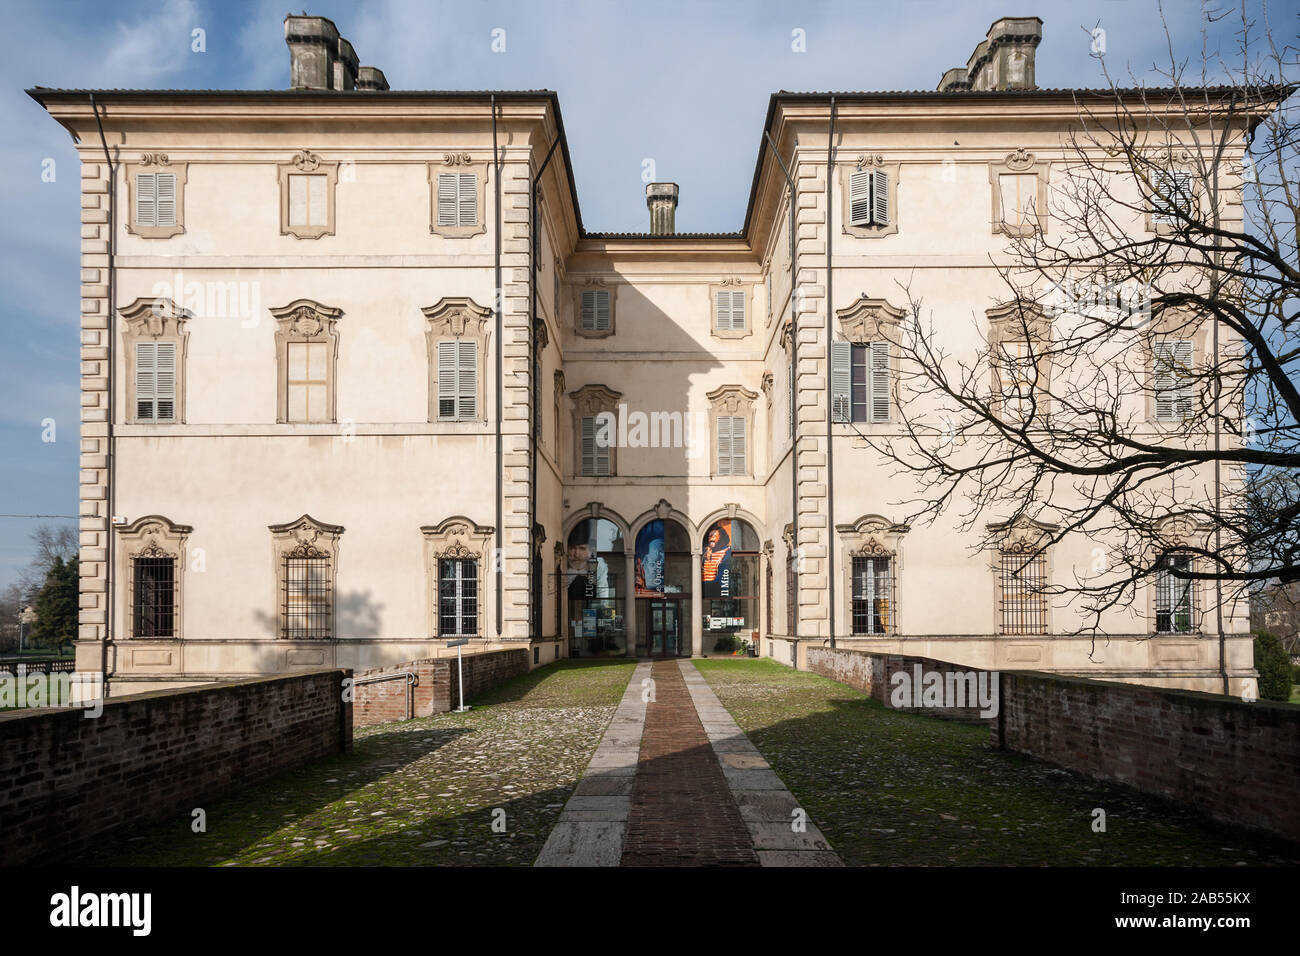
point(412, 679)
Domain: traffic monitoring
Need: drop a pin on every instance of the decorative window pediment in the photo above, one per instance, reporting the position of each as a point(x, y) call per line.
point(306, 345)
point(155, 341)
point(457, 337)
point(456, 554)
point(867, 320)
point(731, 414)
point(305, 553)
point(592, 457)
point(153, 558)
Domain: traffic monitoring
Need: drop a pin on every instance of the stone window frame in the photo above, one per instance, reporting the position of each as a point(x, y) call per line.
point(732, 400)
point(871, 536)
point(456, 537)
point(457, 318)
point(1178, 534)
point(1006, 323)
point(867, 320)
point(156, 319)
point(304, 537)
point(305, 320)
point(590, 400)
point(557, 378)
point(1171, 325)
point(156, 163)
point(1020, 162)
point(153, 536)
point(1170, 161)
point(872, 161)
point(456, 163)
point(595, 285)
point(308, 163)
point(1022, 537)
point(730, 284)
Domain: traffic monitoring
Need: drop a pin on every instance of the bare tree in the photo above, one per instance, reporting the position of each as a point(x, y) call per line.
point(1138, 383)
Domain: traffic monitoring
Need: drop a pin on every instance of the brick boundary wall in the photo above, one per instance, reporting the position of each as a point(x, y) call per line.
point(437, 688)
point(1236, 762)
point(69, 779)
point(1232, 761)
point(873, 675)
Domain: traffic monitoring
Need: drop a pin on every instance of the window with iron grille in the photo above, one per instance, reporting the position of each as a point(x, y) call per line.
point(873, 589)
point(1175, 596)
point(154, 598)
point(307, 598)
point(791, 593)
point(458, 597)
point(1022, 580)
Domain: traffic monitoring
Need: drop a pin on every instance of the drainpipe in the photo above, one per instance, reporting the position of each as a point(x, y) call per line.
point(109, 441)
point(498, 559)
point(534, 368)
point(794, 391)
point(830, 441)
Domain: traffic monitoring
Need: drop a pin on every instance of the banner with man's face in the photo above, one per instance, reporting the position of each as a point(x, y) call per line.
point(715, 563)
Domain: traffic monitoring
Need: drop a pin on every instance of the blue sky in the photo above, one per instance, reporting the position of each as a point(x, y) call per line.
point(683, 83)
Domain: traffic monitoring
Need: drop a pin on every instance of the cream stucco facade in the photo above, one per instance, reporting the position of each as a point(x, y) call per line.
point(381, 489)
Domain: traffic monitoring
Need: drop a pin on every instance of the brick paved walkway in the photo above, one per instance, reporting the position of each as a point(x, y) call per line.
point(682, 811)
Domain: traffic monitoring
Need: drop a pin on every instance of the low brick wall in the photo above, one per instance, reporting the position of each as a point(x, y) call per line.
point(873, 674)
point(436, 688)
point(66, 779)
point(1233, 761)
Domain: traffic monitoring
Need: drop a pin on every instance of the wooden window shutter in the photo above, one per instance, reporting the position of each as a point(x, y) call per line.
point(602, 310)
point(467, 381)
point(165, 199)
point(879, 198)
point(146, 208)
point(448, 201)
point(467, 204)
point(724, 444)
point(1182, 386)
point(738, 310)
point(446, 379)
point(841, 381)
point(722, 310)
point(879, 381)
point(588, 444)
point(738, 449)
point(1173, 192)
point(165, 381)
point(860, 198)
point(145, 380)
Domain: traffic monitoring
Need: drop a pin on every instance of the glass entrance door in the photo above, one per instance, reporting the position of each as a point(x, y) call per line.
point(665, 629)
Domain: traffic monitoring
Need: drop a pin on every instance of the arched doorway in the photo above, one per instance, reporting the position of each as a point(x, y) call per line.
point(729, 584)
point(594, 580)
point(663, 589)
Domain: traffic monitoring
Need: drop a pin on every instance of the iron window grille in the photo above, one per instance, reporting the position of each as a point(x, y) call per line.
point(1175, 597)
point(1024, 604)
point(873, 589)
point(458, 597)
point(154, 600)
point(308, 604)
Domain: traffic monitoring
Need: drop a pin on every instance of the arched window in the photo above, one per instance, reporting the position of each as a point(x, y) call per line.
point(594, 577)
point(729, 583)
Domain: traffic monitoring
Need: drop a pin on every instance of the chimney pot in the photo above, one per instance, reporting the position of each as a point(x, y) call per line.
point(1004, 59)
point(661, 199)
point(321, 59)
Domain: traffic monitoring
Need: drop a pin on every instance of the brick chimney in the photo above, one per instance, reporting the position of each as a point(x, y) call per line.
point(320, 59)
point(661, 198)
point(1004, 60)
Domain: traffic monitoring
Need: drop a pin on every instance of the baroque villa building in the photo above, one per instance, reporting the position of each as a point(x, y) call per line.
point(314, 434)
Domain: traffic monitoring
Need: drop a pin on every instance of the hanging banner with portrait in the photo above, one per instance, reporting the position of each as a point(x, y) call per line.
point(650, 560)
point(715, 564)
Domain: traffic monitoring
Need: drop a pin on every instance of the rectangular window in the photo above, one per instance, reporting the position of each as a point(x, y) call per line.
point(595, 456)
point(595, 310)
point(860, 382)
point(457, 380)
point(457, 199)
point(1018, 374)
point(1018, 200)
point(307, 604)
point(1172, 196)
point(307, 381)
point(791, 594)
point(1172, 372)
point(1175, 597)
point(731, 445)
point(872, 595)
point(458, 597)
point(729, 311)
point(1024, 605)
point(869, 198)
point(153, 603)
point(155, 199)
point(155, 381)
point(307, 200)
